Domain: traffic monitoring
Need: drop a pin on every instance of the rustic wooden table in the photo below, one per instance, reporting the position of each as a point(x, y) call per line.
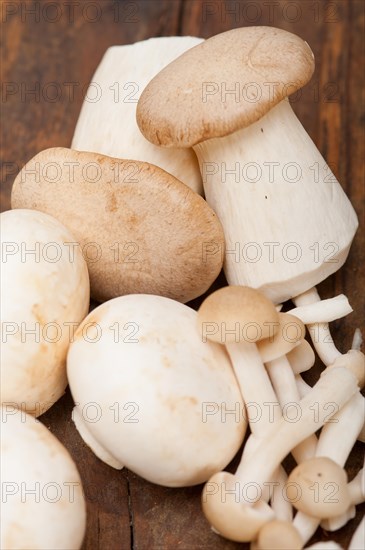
point(50, 51)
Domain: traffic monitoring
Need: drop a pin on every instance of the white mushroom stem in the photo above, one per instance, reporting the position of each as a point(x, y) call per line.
point(284, 383)
point(337, 385)
point(323, 311)
point(257, 392)
point(302, 386)
point(319, 332)
point(356, 489)
point(281, 506)
point(336, 441)
point(260, 174)
point(358, 539)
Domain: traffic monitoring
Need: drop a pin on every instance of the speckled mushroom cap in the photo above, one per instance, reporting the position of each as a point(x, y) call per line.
point(237, 307)
point(141, 229)
point(187, 103)
point(318, 501)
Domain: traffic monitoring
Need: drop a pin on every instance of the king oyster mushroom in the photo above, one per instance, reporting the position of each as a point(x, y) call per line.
point(148, 233)
point(109, 126)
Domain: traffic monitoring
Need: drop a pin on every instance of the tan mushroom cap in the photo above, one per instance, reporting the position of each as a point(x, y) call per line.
point(142, 230)
point(233, 519)
point(318, 487)
point(289, 334)
point(238, 313)
point(279, 535)
point(302, 357)
point(263, 65)
point(354, 360)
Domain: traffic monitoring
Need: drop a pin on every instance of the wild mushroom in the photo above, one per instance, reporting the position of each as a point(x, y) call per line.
point(147, 234)
point(42, 504)
point(336, 385)
point(108, 125)
point(159, 401)
point(337, 437)
point(226, 98)
point(44, 296)
point(238, 317)
point(318, 487)
point(279, 535)
point(273, 352)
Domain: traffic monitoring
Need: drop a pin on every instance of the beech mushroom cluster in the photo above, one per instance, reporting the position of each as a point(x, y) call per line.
point(153, 380)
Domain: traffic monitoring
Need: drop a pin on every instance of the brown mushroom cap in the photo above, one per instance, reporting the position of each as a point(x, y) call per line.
point(279, 535)
point(238, 307)
point(290, 332)
point(302, 357)
point(318, 487)
point(141, 229)
point(225, 511)
point(262, 64)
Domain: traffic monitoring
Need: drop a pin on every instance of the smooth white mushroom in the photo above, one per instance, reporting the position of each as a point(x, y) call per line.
point(42, 504)
point(44, 296)
point(109, 126)
point(258, 163)
point(150, 395)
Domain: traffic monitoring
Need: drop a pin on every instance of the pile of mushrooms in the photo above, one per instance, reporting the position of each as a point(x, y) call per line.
point(152, 379)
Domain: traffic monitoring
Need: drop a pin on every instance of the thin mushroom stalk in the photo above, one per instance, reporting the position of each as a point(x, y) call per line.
point(337, 384)
point(241, 318)
point(274, 352)
point(319, 330)
point(335, 442)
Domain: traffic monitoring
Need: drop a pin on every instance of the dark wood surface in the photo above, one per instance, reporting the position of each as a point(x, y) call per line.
point(65, 47)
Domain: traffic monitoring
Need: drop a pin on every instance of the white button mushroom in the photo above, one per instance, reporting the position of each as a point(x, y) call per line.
point(109, 126)
point(42, 504)
point(44, 297)
point(152, 395)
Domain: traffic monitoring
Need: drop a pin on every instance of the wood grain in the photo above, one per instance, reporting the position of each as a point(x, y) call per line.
point(57, 58)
